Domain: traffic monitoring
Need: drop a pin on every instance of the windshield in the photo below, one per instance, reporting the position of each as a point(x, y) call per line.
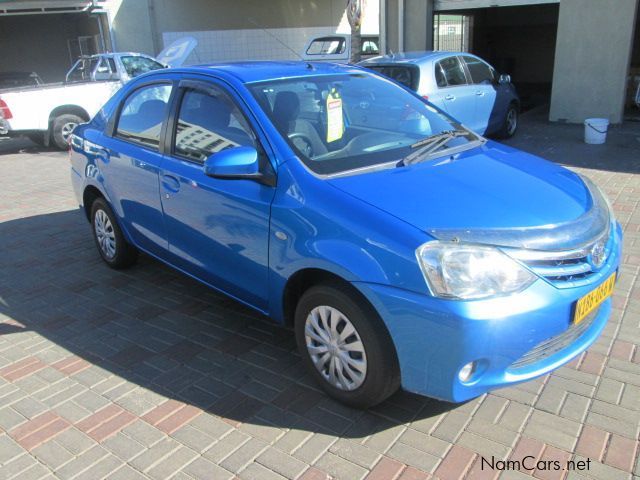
point(337, 123)
point(137, 65)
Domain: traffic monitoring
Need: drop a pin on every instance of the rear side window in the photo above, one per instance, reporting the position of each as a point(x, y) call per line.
point(480, 71)
point(406, 75)
point(209, 122)
point(452, 71)
point(142, 115)
point(327, 46)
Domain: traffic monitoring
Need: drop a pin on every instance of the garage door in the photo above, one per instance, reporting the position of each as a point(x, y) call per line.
point(466, 4)
point(21, 7)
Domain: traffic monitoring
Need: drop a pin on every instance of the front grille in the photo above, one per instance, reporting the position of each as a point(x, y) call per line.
point(566, 269)
point(555, 344)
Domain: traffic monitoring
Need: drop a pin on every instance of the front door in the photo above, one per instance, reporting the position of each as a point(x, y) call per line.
point(484, 87)
point(218, 229)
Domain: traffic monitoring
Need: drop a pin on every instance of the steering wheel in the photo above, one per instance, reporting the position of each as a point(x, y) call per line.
point(302, 143)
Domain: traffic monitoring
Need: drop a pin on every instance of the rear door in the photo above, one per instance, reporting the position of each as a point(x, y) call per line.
point(454, 94)
point(485, 91)
point(132, 158)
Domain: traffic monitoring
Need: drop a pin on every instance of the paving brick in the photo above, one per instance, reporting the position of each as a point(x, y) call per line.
point(411, 473)
point(125, 472)
point(551, 459)
point(52, 454)
point(244, 455)
point(71, 365)
point(226, 446)
point(148, 458)
point(281, 463)
point(416, 458)
point(39, 429)
point(16, 466)
point(9, 449)
point(203, 469)
point(255, 471)
point(592, 363)
point(557, 431)
point(456, 463)
point(75, 441)
point(339, 468)
point(143, 433)
point(621, 453)
point(178, 418)
point(592, 442)
point(386, 469)
point(82, 462)
point(423, 442)
point(171, 464)
point(100, 469)
point(123, 446)
point(22, 368)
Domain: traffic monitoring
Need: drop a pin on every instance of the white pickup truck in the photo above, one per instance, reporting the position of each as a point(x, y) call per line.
point(47, 114)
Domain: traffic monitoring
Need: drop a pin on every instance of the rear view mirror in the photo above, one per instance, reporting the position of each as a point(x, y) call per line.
point(236, 162)
point(504, 79)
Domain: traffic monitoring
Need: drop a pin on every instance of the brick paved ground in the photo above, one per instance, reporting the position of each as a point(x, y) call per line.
point(147, 374)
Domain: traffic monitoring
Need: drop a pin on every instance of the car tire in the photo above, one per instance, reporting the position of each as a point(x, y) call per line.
point(370, 382)
point(61, 128)
point(111, 243)
point(510, 122)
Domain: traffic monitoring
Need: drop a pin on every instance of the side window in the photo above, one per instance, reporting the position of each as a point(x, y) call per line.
point(453, 72)
point(142, 115)
point(440, 80)
point(209, 122)
point(136, 65)
point(480, 71)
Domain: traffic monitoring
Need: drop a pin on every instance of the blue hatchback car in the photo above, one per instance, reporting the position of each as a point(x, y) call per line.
point(402, 248)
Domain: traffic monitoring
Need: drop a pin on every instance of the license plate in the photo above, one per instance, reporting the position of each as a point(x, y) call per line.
point(591, 300)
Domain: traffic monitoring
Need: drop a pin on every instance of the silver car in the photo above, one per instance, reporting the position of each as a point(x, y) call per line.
point(461, 84)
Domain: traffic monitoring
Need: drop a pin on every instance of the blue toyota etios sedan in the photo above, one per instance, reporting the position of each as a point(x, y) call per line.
point(404, 249)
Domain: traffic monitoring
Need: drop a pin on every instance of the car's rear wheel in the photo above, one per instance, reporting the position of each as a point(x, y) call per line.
point(346, 346)
point(61, 129)
point(112, 246)
point(510, 124)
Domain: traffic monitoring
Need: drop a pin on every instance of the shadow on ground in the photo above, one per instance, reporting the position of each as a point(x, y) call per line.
point(165, 332)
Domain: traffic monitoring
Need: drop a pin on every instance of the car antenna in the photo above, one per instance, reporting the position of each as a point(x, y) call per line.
point(253, 22)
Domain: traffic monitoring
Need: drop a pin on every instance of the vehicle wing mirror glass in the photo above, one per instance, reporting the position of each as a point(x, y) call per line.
point(504, 79)
point(236, 162)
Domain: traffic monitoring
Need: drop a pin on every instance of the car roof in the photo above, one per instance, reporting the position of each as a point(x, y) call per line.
point(259, 71)
point(410, 57)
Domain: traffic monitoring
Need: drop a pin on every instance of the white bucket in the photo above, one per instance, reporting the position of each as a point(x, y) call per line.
point(595, 130)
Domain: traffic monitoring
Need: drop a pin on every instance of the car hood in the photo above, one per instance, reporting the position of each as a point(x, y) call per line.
point(490, 194)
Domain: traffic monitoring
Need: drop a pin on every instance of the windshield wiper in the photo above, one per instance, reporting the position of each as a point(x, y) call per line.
point(430, 144)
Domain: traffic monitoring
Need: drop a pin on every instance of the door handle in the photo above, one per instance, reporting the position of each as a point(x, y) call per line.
point(480, 94)
point(450, 97)
point(171, 183)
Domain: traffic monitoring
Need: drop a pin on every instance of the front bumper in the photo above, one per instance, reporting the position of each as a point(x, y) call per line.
point(435, 338)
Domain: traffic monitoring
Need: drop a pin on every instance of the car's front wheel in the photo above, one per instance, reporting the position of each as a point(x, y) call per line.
point(346, 346)
point(112, 245)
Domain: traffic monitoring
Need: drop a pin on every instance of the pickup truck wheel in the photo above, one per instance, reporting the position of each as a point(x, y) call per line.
point(112, 246)
point(62, 127)
point(346, 346)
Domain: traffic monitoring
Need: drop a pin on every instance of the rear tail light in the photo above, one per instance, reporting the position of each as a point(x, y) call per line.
point(426, 97)
point(5, 112)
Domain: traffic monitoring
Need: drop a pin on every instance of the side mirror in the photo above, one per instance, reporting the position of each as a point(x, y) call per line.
point(236, 162)
point(504, 79)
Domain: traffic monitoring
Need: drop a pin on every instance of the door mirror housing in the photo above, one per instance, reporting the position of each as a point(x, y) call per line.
point(504, 79)
point(234, 163)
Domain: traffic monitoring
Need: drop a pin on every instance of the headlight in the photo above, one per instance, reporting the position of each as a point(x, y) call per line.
point(465, 271)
